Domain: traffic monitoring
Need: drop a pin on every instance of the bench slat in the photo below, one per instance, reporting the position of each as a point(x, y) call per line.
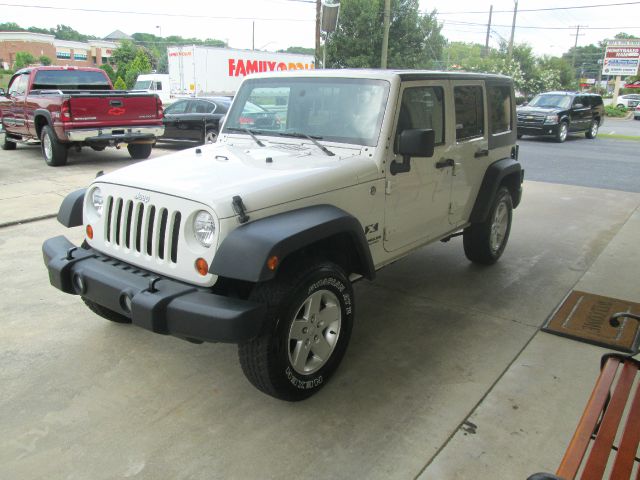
point(575, 452)
point(630, 439)
point(599, 456)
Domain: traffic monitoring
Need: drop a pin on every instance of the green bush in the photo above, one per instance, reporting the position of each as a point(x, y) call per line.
point(120, 85)
point(613, 111)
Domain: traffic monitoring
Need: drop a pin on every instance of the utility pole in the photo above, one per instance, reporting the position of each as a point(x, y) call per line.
point(253, 35)
point(318, 9)
point(575, 45)
point(513, 30)
point(385, 36)
point(486, 43)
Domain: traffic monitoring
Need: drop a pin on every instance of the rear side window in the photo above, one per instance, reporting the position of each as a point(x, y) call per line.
point(422, 107)
point(469, 112)
point(499, 99)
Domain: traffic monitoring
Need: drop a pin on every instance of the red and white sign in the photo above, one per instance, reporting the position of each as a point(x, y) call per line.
point(622, 57)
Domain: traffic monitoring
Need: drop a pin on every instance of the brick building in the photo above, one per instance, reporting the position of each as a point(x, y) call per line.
point(61, 52)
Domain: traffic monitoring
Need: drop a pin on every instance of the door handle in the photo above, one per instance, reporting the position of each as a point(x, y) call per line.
point(445, 163)
point(481, 153)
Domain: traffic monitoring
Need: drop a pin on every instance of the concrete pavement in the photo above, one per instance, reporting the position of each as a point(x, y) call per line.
point(437, 342)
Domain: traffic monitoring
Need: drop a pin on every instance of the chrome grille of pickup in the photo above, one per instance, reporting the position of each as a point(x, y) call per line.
point(531, 119)
point(143, 228)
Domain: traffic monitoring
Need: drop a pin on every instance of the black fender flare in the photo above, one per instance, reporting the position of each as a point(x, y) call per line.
point(70, 213)
point(493, 177)
point(243, 254)
point(41, 112)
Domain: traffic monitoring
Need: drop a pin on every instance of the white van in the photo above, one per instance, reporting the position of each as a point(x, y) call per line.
point(157, 83)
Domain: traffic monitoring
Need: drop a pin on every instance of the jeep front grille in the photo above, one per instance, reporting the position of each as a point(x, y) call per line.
point(143, 228)
point(531, 120)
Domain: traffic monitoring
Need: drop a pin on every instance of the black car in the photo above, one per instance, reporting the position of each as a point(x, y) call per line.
point(558, 113)
point(194, 120)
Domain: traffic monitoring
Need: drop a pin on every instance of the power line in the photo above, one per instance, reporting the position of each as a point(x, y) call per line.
point(457, 22)
point(150, 14)
point(542, 9)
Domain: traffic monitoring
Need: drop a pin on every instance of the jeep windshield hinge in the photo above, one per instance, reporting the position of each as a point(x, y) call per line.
point(240, 209)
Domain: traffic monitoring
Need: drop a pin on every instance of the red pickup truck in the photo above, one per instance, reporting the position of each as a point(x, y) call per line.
point(67, 107)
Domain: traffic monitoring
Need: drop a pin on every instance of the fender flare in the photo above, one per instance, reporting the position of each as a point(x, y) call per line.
point(243, 254)
point(41, 112)
point(493, 177)
point(70, 213)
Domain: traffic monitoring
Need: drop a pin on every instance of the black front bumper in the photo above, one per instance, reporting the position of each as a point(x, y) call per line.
point(538, 130)
point(156, 303)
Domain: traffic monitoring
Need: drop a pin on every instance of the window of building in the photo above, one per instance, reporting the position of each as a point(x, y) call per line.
point(469, 112)
point(63, 55)
point(499, 99)
point(80, 55)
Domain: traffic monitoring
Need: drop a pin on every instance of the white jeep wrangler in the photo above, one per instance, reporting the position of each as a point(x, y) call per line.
point(318, 179)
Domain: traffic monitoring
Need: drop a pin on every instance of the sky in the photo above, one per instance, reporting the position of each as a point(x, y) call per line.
point(278, 24)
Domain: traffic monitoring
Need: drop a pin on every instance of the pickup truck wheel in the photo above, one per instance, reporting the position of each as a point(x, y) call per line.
point(105, 312)
point(139, 151)
point(5, 143)
point(563, 131)
point(210, 136)
point(484, 242)
point(309, 322)
point(593, 129)
point(98, 148)
point(54, 152)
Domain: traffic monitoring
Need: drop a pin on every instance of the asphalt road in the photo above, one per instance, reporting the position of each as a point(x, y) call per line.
point(601, 163)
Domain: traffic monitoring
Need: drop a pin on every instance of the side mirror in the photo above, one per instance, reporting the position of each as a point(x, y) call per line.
point(524, 104)
point(416, 142)
point(2, 92)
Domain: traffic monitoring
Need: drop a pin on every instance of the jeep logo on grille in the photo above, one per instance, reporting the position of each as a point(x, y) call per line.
point(142, 197)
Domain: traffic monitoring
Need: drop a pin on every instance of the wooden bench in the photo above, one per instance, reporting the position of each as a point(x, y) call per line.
point(610, 424)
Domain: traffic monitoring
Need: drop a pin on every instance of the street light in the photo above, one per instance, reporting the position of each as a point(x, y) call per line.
point(328, 23)
point(160, 30)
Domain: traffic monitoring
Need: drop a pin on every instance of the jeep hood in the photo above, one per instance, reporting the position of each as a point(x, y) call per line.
point(262, 176)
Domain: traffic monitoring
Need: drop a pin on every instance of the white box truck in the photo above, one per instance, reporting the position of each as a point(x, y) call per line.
point(196, 70)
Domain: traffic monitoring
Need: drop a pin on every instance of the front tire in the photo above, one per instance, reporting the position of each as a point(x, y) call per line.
point(139, 151)
point(593, 129)
point(54, 153)
point(563, 131)
point(485, 242)
point(5, 144)
point(309, 322)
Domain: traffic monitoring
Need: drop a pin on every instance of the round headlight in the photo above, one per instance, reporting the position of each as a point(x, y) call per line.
point(97, 200)
point(204, 228)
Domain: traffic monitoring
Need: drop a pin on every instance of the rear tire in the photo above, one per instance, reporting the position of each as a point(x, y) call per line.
point(54, 153)
point(139, 151)
point(593, 129)
point(210, 136)
point(485, 242)
point(309, 321)
point(105, 312)
point(98, 148)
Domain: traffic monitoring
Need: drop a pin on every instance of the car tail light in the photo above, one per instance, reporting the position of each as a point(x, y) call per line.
point(65, 111)
point(159, 107)
point(246, 121)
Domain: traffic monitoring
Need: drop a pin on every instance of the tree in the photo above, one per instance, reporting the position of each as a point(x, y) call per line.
point(108, 69)
point(139, 65)
point(415, 39)
point(299, 50)
point(44, 60)
point(119, 84)
point(23, 59)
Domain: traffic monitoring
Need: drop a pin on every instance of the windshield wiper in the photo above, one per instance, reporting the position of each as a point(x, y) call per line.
point(246, 130)
point(308, 137)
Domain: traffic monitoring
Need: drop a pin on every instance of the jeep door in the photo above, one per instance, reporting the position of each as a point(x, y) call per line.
point(417, 201)
point(471, 147)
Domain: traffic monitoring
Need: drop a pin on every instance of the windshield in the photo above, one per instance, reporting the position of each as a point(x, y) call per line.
point(142, 85)
point(70, 80)
point(545, 101)
point(344, 110)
